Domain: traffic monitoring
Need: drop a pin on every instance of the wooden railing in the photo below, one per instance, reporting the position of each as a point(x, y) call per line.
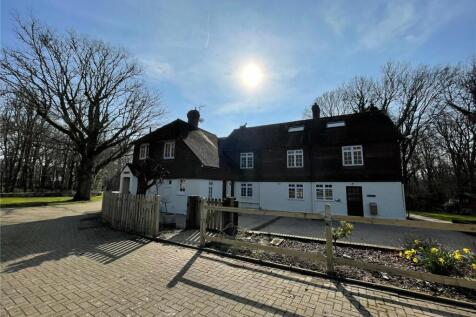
point(132, 213)
point(329, 258)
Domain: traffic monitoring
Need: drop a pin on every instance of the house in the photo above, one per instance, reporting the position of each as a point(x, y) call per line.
point(188, 154)
point(351, 162)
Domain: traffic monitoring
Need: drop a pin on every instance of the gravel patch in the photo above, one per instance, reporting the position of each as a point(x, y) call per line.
point(384, 257)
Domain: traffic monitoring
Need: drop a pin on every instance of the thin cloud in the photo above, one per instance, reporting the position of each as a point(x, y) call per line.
point(157, 69)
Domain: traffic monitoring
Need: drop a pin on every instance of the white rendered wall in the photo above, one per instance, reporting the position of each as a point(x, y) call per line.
point(126, 172)
point(274, 196)
point(248, 202)
point(389, 198)
point(176, 201)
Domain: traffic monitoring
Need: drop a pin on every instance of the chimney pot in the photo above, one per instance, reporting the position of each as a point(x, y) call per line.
point(316, 111)
point(193, 117)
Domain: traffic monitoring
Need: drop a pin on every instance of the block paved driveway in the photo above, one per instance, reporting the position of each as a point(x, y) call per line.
point(60, 261)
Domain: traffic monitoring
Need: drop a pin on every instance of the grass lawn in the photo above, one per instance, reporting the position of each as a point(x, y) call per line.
point(39, 201)
point(443, 216)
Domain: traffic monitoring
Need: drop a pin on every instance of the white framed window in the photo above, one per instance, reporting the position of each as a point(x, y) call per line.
point(144, 151)
point(324, 192)
point(296, 191)
point(246, 160)
point(335, 124)
point(169, 150)
point(352, 155)
point(246, 190)
point(296, 129)
point(210, 189)
point(295, 158)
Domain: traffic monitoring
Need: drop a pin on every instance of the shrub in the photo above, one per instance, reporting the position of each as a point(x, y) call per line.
point(344, 230)
point(439, 260)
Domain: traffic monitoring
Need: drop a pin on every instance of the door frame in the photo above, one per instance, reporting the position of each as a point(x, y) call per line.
point(354, 212)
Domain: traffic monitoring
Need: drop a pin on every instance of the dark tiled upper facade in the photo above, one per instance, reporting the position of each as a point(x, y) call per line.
point(305, 150)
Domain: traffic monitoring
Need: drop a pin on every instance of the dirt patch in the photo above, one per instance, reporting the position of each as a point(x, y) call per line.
point(384, 257)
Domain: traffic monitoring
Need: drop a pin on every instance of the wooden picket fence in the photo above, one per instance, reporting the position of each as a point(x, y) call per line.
point(132, 213)
point(329, 257)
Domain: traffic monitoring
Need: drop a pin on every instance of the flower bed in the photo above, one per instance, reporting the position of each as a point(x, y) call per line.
point(401, 260)
point(439, 260)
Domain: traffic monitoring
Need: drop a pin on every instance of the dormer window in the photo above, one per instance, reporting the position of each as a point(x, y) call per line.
point(295, 158)
point(296, 129)
point(169, 150)
point(246, 160)
point(352, 155)
point(335, 124)
point(144, 151)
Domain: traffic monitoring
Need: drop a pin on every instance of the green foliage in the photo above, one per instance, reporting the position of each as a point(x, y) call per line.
point(344, 230)
point(446, 216)
point(439, 260)
point(38, 201)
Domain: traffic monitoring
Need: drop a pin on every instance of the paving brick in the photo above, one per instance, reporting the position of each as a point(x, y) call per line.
point(52, 266)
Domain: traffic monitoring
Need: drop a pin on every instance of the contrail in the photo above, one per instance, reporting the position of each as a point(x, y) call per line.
point(208, 31)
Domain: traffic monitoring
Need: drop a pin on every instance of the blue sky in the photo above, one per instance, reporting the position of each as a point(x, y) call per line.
point(193, 51)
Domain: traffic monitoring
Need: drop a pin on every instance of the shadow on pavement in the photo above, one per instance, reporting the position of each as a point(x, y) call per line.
point(352, 297)
point(53, 239)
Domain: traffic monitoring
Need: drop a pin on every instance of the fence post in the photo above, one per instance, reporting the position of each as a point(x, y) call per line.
point(230, 219)
point(329, 255)
point(203, 220)
point(157, 215)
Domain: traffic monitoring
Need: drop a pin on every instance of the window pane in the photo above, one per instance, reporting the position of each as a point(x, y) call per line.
point(319, 192)
point(292, 194)
point(250, 190)
point(291, 191)
point(299, 193)
point(357, 157)
point(299, 162)
point(291, 160)
point(243, 190)
point(348, 158)
point(328, 193)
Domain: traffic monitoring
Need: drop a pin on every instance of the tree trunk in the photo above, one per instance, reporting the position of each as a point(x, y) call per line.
point(84, 179)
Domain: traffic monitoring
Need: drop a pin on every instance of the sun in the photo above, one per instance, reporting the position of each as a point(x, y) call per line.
point(251, 75)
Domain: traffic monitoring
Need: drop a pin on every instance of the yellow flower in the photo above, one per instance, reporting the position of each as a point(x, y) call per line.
point(434, 250)
point(473, 266)
point(441, 260)
point(415, 260)
point(400, 253)
point(457, 255)
point(466, 250)
point(409, 253)
point(416, 241)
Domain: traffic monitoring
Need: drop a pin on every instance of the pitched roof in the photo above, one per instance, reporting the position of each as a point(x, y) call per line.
point(365, 127)
point(132, 168)
point(201, 142)
point(204, 145)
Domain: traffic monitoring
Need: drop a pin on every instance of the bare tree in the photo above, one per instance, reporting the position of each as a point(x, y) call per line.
point(412, 111)
point(360, 93)
point(458, 89)
point(90, 92)
point(331, 104)
point(457, 134)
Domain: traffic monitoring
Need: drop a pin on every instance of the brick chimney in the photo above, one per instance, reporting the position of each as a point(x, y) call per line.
point(193, 118)
point(316, 111)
